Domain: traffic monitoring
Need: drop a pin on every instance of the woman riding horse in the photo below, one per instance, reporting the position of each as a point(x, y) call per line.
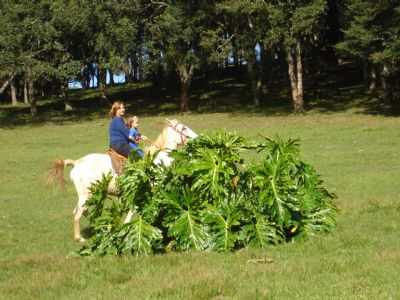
point(118, 131)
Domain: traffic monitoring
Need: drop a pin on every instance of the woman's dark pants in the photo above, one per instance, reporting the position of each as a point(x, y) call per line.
point(123, 149)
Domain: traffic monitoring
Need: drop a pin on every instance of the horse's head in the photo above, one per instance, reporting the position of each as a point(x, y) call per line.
point(178, 134)
point(172, 136)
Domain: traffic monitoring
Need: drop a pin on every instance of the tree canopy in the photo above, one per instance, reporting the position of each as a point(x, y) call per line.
point(47, 43)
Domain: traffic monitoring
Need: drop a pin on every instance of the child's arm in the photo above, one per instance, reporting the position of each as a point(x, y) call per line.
point(138, 136)
point(132, 135)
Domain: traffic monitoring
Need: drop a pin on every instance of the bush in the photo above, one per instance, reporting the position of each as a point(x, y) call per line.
point(210, 199)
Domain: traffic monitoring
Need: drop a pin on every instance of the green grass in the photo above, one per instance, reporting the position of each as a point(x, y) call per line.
point(356, 154)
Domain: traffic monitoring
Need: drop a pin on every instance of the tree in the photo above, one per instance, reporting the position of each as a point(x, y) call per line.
point(71, 19)
point(389, 54)
point(27, 48)
point(33, 48)
point(111, 33)
point(8, 43)
point(244, 23)
point(174, 36)
point(371, 34)
point(294, 24)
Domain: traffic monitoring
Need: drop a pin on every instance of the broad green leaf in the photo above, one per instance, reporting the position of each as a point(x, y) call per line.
point(138, 237)
point(188, 232)
point(260, 232)
point(221, 222)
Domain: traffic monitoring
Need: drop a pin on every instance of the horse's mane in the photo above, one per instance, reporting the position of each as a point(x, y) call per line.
point(159, 143)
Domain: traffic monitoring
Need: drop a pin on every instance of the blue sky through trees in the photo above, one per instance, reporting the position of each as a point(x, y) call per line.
point(120, 77)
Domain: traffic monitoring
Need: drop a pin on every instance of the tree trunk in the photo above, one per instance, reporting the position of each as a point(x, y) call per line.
point(185, 75)
point(65, 96)
point(292, 75)
point(129, 71)
point(97, 76)
point(299, 103)
point(26, 94)
point(184, 102)
point(258, 91)
point(372, 78)
point(139, 68)
point(111, 77)
point(386, 85)
point(6, 83)
point(31, 92)
point(254, 79)
point(85, 77)
point(295, 71)
point(292, 72)
point(133, 72)
point(92, 74)
point(133, 69)
point(13, 93)
point(365, 74)
point(102, 82)
point(235, 56)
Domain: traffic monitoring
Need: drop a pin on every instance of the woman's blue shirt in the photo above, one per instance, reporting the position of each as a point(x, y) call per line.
point(118, 132)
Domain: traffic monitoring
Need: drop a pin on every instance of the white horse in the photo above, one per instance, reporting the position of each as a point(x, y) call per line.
point(90, 168)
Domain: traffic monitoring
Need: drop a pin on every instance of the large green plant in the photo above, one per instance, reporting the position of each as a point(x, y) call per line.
point(210, 199)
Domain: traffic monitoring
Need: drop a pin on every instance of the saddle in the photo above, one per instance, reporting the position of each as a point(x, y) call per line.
point(117, 161)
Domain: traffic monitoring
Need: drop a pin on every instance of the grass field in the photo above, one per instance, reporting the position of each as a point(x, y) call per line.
point(355, 152)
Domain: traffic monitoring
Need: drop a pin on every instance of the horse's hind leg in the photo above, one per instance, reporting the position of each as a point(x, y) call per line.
point(77, 228)
point(83, 195)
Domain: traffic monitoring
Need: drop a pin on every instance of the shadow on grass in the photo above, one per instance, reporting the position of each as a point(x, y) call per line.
point(331, 91)
point(342, 89)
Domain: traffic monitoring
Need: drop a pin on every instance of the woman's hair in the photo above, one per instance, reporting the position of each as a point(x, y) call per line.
point(116, 105)
point(131, 120)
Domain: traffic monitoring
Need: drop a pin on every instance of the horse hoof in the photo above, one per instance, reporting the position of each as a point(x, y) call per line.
point(80, 240)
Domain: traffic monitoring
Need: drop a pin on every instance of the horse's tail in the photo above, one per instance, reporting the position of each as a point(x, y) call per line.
point(56, 174)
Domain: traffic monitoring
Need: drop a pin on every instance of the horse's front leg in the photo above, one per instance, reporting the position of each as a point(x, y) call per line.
point(112, 186)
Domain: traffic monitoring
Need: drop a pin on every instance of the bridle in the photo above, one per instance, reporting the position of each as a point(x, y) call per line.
point(182, 135)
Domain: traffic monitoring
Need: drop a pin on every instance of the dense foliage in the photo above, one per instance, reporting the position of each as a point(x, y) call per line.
point(211, 198)
point(372, 36)
point(44, 44)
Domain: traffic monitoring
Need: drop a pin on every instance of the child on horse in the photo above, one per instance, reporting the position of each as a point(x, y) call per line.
point(134, 135)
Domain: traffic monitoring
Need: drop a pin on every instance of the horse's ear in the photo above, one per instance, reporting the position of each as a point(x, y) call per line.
point(171, 122)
